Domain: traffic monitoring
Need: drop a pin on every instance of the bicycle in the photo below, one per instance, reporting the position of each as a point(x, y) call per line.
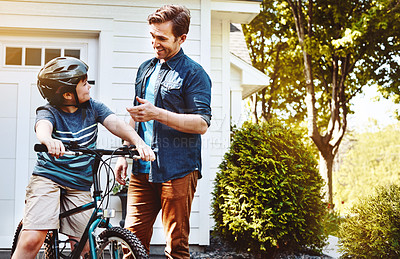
point(111, 242)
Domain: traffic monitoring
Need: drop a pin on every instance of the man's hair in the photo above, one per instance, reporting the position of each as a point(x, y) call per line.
point(179, 16)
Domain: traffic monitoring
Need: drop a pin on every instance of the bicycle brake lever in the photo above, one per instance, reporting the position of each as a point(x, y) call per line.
point(131, 149)
point(72, 145)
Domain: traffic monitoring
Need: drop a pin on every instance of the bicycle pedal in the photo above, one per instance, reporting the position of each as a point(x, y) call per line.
point(109, 213)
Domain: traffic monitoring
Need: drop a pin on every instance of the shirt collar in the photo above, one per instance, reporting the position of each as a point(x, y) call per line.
point(172, 62)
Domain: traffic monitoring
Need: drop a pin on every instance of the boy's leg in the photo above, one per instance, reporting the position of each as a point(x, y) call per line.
point(176, 199)
point(74, 225)
point(143, 206)
point(42, 204)
point(29, 243)
point(42, 207)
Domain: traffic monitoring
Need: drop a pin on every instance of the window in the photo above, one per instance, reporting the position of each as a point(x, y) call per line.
point(51, 53)
point(76, 53)
point(13, 56)
point(30, 56)
point(33, 57)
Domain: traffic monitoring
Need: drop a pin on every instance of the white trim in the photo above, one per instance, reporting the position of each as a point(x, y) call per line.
point(235, 11)
point(22, 148)
point(77, 25)
point(104, 69)
point(236, 96)
point(205, 35)
point(204, 189)
point(226, 74)
point(253, 80)
point(236, 6)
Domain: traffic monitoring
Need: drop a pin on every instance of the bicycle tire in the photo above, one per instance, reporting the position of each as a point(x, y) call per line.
point(48, 253)
point(49, 248)
point(112, 240)
point(16, 237)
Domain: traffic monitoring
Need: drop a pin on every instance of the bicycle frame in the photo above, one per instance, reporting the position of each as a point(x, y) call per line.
point(95, 219)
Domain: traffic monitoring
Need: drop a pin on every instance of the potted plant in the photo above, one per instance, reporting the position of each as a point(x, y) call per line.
point(122, 192)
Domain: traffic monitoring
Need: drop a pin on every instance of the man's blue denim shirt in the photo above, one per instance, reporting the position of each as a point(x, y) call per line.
point(182, 87)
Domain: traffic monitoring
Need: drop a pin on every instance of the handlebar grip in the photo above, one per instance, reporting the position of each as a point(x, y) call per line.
point(40, 148)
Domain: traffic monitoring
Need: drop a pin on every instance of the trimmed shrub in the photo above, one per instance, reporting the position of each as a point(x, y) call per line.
point(267, 195)
point(372, 230)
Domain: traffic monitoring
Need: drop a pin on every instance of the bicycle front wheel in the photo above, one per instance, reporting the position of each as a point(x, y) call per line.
point(115, 242)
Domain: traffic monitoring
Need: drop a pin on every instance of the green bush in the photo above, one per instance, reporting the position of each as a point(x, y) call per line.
point(372, 230)
point(267, 195)
point(331, 223)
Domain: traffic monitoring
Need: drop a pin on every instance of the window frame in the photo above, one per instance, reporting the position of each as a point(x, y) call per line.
point(43, 46)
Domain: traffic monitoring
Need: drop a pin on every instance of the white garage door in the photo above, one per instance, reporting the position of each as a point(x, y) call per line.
point(20, 60)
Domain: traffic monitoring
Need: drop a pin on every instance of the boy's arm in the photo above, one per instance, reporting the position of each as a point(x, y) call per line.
point(121, 166)
point(132, 124)
point(121, 129)
point(44, 129)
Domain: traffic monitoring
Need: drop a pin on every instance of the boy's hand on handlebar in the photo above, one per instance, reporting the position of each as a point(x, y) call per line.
point(145, 152)
point(55, 147)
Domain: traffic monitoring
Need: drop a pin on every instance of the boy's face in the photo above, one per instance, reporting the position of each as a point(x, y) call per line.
point(164, 42)
point(83, 91)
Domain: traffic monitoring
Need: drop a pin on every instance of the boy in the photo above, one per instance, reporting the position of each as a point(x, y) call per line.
point(70, 115)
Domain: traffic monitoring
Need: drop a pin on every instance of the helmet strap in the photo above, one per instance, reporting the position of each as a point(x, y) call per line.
point(77, 103)
point(83, 106)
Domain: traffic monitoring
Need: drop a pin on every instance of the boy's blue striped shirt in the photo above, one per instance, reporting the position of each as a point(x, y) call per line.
point(81, 127)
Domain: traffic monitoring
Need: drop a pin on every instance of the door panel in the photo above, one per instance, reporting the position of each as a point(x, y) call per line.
point(8, 120)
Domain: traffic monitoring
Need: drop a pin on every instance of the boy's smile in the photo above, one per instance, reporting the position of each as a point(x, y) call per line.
point(83, 91)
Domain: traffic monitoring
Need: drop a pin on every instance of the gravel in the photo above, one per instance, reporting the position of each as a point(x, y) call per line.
point(220, 250)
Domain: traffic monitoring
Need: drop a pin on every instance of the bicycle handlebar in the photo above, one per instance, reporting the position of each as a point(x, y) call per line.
point(77, 150)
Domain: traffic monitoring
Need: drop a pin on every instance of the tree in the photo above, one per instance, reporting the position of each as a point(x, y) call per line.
point(345, 46)
point(371, 159)
point(281, 98)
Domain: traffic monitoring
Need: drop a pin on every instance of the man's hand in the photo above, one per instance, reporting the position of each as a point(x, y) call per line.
point(120, 170)
point(146, 154)
point(188, 123)
point(144, 112)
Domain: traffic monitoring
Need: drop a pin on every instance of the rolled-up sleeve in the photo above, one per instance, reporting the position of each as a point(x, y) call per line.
point(198, 95)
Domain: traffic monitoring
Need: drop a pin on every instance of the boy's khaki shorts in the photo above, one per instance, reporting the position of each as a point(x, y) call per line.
point(42, 207)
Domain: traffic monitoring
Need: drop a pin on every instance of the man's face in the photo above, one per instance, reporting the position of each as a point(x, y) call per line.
point(164, 43)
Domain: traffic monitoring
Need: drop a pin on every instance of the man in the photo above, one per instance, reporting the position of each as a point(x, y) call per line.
point(171, 111)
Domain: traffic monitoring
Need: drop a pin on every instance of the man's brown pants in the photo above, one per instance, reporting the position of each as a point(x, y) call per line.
point(174, 198)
